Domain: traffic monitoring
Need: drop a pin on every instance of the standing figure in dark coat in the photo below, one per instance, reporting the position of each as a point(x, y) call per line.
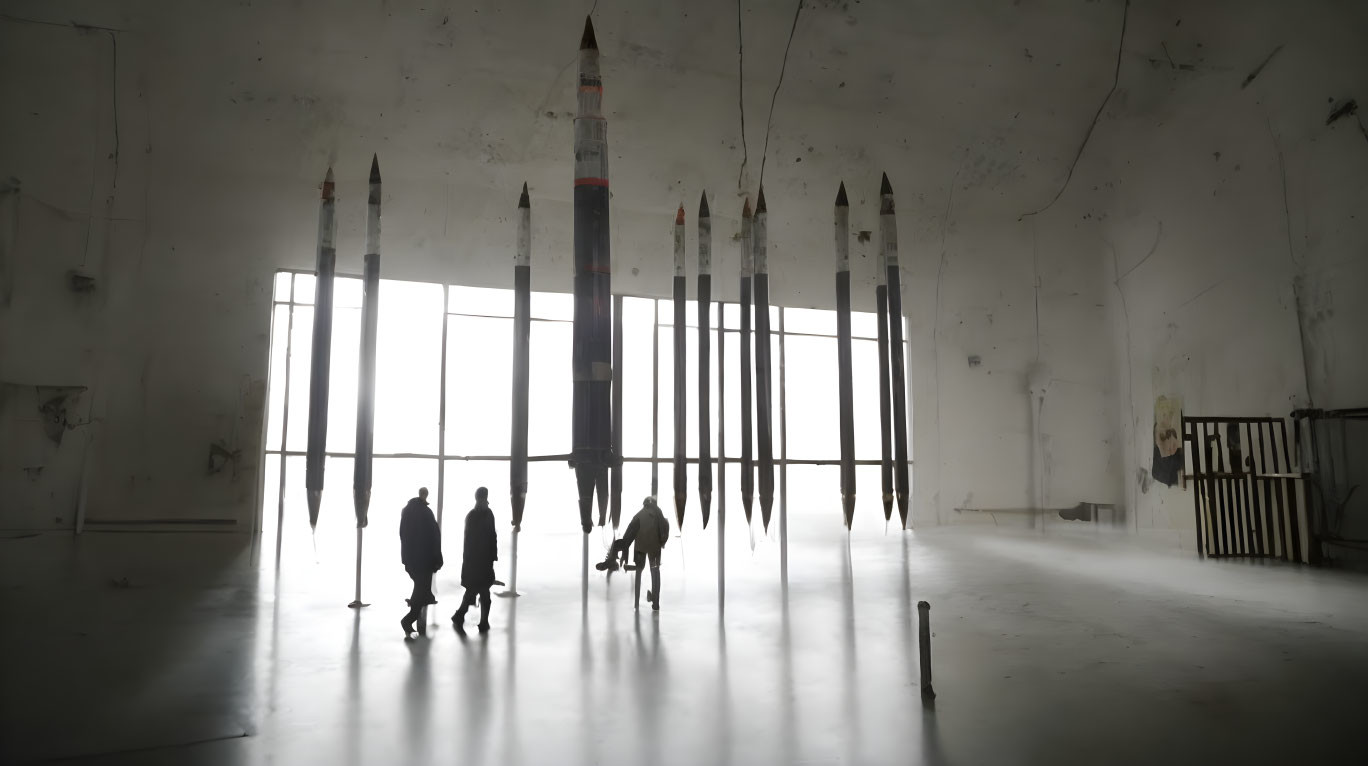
point(477, 560)
point(420, 542)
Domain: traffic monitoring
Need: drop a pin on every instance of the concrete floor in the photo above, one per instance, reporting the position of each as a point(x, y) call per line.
point(175, 649)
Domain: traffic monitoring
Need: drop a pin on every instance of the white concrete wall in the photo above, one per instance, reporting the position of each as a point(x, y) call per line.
point(228, 113)
point(1235, 238)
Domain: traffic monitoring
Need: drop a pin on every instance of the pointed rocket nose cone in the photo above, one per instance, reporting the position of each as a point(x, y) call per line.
point(885, 187)
point(327, 179)
point(524, 200)
point(746, 209)
point(375, 169)
point(587, 42)
point(760, 202)
point(328, 185)
point(679, 216)
point(841, 200)
point(703, 206)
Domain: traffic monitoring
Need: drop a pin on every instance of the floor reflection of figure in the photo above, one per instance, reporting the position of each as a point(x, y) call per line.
point(420, 542)
point(476, 701)
point(480, 551)
point(650, 683)
point(418, 704)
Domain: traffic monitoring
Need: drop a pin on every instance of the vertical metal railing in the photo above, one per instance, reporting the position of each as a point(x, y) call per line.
point(1248, 496)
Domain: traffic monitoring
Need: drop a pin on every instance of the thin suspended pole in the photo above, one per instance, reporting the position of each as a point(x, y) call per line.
point(285, 422)
point(441, 425)
point(783, 460)
point(441, 407)
point(615, 477)
point(655, 398)
point(721, 458)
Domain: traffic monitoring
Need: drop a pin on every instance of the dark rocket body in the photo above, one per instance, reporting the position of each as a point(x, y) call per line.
point(591, 348)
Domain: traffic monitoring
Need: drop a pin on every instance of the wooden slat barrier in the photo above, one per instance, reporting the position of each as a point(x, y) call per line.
point(1247, 494)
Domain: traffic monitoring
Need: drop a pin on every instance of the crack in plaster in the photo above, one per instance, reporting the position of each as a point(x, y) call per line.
point(1116, 78)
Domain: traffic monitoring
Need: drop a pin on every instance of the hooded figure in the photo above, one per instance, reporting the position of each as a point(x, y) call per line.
point(480, 552)
point(420, 543)
point(648, 531)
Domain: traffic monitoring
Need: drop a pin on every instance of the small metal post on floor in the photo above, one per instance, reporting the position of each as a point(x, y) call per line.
point(512, 591)
point(924, 646)
point(356, 603)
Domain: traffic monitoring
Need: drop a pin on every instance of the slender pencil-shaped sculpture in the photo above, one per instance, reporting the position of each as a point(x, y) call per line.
point(763, 389)
point(591, 347)
point(747, 269)
point(843, 374)
point(888, 244)
point(522, 336)
point(320, 363)
point(885, 401)
point(365, 384)
point(681, 474)
point(615, 479)
point(705, 470)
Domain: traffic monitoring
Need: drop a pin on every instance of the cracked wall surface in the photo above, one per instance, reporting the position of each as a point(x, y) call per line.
point(172, 154)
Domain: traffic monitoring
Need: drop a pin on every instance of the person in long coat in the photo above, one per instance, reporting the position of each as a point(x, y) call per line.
point(420, 542)
point(480, 552)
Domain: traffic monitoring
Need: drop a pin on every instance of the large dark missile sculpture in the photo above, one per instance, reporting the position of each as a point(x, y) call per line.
point(885, 401)
point(843, 372)
point(591, 348)
point(705, 471)
point(888, 245)
point(763, 388)
point(522, 335)
point(747, 268)
point(365, 384)
point(681, 476)
point(320, 362)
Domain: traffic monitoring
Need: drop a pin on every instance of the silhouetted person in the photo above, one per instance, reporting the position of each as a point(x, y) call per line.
point(648, 531)
point(480, 552)
point(420, 542)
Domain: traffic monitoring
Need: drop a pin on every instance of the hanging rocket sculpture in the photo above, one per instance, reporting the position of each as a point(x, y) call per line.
point(365, 384)
point(615, 477)
point(522, 331)
point(591, 347)
point(321, 359)
point(888, 246)
point(705, 471)
point(747, 267)
point(885, 401)
point(843, 372)
point(763, 389)
point(681, 476)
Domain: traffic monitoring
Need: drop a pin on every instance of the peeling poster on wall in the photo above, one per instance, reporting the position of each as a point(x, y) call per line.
point(1168, 440)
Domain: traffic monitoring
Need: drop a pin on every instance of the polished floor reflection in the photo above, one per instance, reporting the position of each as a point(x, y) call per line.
point(177, 649)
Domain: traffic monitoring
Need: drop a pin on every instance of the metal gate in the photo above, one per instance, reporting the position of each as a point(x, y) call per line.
point(1248, 497)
